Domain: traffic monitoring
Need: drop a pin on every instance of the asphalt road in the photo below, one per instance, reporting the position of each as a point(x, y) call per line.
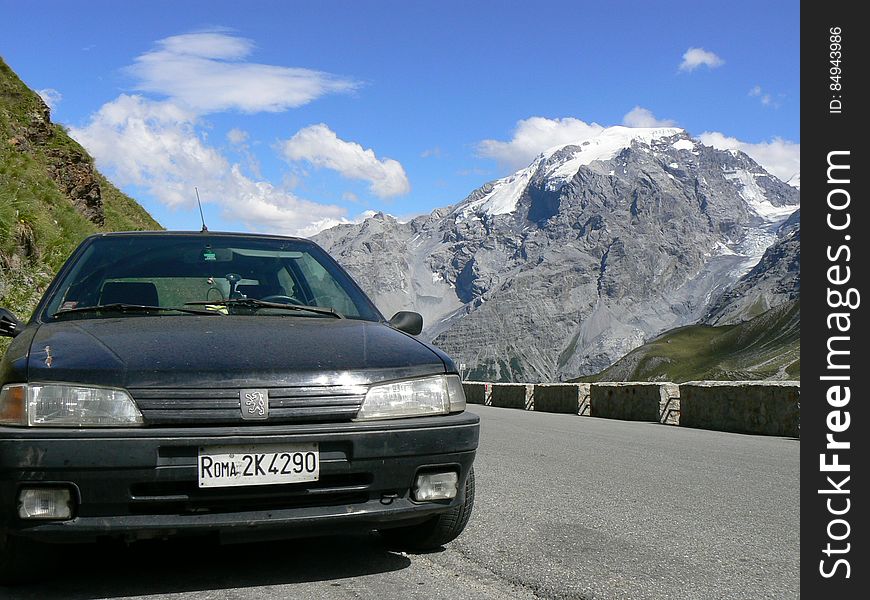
point(567, 507)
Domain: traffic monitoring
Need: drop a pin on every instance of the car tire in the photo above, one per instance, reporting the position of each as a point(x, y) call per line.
point(437, 531)
point(17, 559)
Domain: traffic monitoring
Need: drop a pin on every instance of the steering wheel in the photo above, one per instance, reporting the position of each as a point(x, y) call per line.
point(215, 289)
point(281, 299)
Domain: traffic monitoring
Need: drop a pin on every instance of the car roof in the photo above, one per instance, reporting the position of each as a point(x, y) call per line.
point(203, 234)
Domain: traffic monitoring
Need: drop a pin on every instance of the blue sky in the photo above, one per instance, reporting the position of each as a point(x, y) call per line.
point(290, 116)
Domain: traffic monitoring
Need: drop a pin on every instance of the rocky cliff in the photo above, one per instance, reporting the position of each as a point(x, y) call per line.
point(51, 196)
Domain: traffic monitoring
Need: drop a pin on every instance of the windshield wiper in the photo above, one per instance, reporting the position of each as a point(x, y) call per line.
point(255, 303)
point(131, 308)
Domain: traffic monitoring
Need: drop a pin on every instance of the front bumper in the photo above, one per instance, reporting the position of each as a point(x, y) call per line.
point(142, 483)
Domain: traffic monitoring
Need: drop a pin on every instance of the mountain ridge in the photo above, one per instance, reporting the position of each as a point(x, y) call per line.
point(547, 274)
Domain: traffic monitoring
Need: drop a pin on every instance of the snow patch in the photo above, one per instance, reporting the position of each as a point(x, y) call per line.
point(504, 196)
point(605, 146)
point(723, 250)
point(684, 145)
point(754, 195)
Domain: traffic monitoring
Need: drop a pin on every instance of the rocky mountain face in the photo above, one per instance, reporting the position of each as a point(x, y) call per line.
point(51, 197)
point(774, 281)
point(565, 266)
point(67, 165)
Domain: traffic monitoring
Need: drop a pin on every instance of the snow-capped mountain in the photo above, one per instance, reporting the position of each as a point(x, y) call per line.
point(563, 267)
point(560, 163)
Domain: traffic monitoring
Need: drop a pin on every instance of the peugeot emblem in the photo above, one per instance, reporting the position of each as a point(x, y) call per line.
point(254, 404)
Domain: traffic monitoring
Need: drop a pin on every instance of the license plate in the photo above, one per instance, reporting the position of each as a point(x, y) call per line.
point(224, 466)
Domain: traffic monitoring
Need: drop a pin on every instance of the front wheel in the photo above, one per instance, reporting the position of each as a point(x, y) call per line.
point(438, 530)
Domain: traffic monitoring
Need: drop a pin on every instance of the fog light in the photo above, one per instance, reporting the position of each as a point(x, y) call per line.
point(45, 503)
point(436, 486)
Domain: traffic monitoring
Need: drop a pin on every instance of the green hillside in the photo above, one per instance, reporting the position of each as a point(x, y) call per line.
point(51, 197)
point(766, 347)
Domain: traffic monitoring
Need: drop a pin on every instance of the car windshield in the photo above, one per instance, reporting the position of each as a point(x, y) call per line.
point(204, 272)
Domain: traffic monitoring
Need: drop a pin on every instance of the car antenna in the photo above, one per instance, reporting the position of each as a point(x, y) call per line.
point(201, 216)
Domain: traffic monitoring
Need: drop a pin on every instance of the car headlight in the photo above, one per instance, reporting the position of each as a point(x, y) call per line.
point(437, 395)
point(64, 405)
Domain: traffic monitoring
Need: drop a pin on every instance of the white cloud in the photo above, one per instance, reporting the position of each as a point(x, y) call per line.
point(326, 223)
point(237, 136)
point(206, 72)
point(431, 153)
point(366, 214)
point(764, 97)
point(349, 197)
point(697, 57)
point(320, 146)
point(209, 44)
point(642, 117)
point(534, 135)
point(155, 145)
point(50, 96)
point(779, 157)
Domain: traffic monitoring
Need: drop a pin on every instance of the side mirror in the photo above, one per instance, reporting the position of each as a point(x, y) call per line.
point(10, 326)
point(407, 321)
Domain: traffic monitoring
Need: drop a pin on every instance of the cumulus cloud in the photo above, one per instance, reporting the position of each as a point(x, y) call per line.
point(779, 157)
point(321, 147)
point(642, 117)
point(698, 57)
point(50, 96)
point(534, 135)
point(155, 145)
point(206, 72)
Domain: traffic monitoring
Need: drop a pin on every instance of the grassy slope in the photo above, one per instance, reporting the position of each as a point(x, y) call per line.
point(766, 347)
point(39, 226)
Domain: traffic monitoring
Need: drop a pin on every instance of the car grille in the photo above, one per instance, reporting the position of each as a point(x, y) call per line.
point(189, 406)
point(185, 497)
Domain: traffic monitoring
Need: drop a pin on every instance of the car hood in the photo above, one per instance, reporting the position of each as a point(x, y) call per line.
point(237, 351)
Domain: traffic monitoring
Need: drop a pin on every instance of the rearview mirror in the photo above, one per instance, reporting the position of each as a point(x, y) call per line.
point(407, 321)
point(10, 326)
